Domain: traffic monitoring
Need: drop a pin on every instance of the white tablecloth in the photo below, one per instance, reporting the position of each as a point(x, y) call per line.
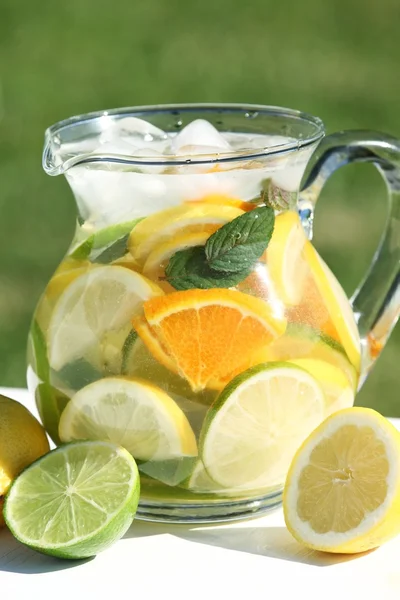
point(251, 559)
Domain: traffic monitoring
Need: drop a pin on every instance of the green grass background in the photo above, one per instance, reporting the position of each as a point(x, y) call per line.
point(338, 60)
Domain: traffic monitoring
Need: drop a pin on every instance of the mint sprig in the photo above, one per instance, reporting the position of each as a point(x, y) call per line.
point(239, 244)
point(189, 269)
point(228, 256)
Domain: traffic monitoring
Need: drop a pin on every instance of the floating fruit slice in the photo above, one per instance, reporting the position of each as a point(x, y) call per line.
point(252, 431)
point(207, 336)
point(224, 200)
point(75, 501)
point(199, 481)
point(131, 413)
point(186, 218)
point(338, 391)
point(69, 270)
point(337, 304)
point(342, 492)
point(93, 315)
point(287, 267)
point(301, 341)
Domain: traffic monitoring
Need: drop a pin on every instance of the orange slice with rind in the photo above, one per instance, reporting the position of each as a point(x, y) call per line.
point(208, 336)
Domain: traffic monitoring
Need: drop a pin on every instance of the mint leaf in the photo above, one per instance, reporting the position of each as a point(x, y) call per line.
point(189, 269)
point(239, 244)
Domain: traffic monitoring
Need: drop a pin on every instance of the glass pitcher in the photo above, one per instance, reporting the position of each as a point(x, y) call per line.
point(192, 321)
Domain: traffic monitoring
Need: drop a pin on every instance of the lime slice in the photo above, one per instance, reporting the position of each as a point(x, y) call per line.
point(131, 413)
point(252, 431)
point(199, 481)
point(338, 391)
point(92, 317)
point(302, 341)
point(75, 501)
point(106, 245)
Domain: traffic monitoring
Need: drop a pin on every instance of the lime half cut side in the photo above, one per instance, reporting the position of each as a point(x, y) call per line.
point(132, 413)
point(75, 501)
point(252, 431)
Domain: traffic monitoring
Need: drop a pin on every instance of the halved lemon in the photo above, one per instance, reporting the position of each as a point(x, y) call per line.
point(132, 413)
point(342, 492)
point(207, 336)
point(253, 429)
point(188, 218)
point(91, 319)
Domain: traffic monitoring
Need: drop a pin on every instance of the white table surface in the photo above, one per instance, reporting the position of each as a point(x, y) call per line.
point(256, 558)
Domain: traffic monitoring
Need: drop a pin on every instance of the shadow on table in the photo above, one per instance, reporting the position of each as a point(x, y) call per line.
point(275, 542)
point(17, 558)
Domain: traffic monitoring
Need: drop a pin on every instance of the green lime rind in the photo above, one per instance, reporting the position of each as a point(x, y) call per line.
point(49, 401)
point(317, 345)
point(75, 501)
point(106, 245)
point(213, 425)
point(306, 331)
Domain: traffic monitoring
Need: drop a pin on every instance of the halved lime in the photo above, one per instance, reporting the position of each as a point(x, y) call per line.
point(75, 501)
point(92, 317)
point(252, 431)
point(132, 413)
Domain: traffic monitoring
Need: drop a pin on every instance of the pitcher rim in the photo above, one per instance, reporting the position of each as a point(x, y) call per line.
point(249, 110)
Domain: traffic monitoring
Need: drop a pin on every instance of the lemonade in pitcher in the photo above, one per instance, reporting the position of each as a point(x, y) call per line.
point(192, 321)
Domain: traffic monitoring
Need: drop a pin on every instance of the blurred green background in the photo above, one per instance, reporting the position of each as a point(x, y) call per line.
point(338, 60)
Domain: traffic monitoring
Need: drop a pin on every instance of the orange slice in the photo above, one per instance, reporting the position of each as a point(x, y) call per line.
point(208, 336)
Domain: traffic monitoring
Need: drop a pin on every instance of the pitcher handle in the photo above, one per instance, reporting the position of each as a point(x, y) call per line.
point(376, 301)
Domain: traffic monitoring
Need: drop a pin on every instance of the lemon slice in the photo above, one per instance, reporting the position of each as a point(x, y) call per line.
point(253, 429)
point(69, 270)
point(338, 392)
point(158, 228)
point(342, 492)
point(94, 313)
point(131, 413)
point(337, 305)
point(156, 262)
point(285, 260)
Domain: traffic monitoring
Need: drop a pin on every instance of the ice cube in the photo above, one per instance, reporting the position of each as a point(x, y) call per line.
point(199, 133)
point(116, 146)
point(133, 129)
